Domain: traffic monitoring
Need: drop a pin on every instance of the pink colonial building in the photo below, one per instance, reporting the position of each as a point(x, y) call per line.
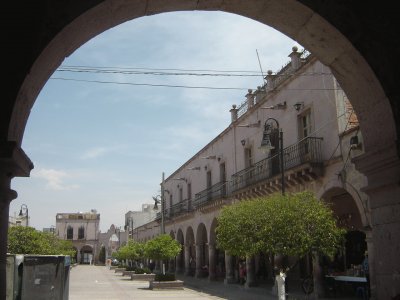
point(321, 136)
point(82, 229)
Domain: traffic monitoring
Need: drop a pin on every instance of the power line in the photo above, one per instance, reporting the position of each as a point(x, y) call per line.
point(183, 86)
point(150, 84)
point(171, 72)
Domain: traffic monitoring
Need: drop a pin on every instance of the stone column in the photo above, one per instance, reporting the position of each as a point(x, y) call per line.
point(295, 59)
point(13, 163)
point(198, 272)
point(250, 272)
point(178, 263)
point(229, 275)
point(382, 168)
point(211, 262)
point(172, 264)
point(270, 80)
point(234, 113)
point(250, 98)
point(187, 260)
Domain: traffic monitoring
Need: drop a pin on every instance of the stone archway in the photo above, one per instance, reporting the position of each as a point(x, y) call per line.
point(190, 252)
point(201, 251)
point(63, 28)
point(216, 256)
point(180, 261)
point(86, 255)
point(353, 217)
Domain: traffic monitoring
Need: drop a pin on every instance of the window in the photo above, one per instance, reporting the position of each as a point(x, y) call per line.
point(248, 157)
point(209, 182)
point(305, 130)
point(180, 195)
point(222, 175)
point(305, 124)
point(70, 233)
point(189, 191)
point(81, 233)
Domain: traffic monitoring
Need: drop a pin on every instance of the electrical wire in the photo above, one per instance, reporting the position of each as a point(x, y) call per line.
point(150, 84)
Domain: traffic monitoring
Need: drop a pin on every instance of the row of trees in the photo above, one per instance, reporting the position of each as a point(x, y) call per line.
point(162, 247)
point(27, 240)
point(292, 225)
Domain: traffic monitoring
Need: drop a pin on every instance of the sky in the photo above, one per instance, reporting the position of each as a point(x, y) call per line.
point(102, 140)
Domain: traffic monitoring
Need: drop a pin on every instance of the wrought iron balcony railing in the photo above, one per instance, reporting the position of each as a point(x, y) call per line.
point(216, 191)
point(306, 151)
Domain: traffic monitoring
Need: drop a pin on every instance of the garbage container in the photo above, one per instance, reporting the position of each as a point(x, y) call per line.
point(14, 271)
point(67, 268)
point(45, 277)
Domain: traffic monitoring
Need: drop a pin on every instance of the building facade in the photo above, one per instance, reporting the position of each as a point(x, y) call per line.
point(135, 219)
point(112, 240)
point(82, 229)
point(303, 105)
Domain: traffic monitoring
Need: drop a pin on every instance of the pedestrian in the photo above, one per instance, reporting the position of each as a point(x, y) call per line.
point(151, 266)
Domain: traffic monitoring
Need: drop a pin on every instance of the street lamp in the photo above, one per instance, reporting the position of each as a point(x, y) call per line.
point(129, 227)
point(267, 146)
point(160, 200)
point(24, 207)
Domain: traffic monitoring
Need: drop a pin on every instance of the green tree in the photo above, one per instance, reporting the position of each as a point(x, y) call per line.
point(27, 240)
point(102, 255)
point(131, 251)
point(291, 225)
point(162, 247)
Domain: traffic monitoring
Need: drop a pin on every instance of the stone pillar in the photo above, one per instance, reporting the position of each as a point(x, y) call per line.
point(187, 260)
point(171, 265)
point(13, 163)
point(295, 59)
point(178, 262)
point(317, 277)
point(270, 80)
point(382, 168)
point(198, 272)
point(250, 98)
point(211, 262)
point(229, 275)
point(250, 272)
point(371, 260)
point(234, 114)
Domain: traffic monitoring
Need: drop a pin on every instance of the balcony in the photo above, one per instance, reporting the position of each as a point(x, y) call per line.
point(306, 154)
point(216, 191)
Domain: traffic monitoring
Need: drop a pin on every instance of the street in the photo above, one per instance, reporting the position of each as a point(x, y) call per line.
point(98, 282)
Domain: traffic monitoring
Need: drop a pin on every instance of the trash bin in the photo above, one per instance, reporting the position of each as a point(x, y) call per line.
point(45, 277)
point(67, 268)
point(14, 271)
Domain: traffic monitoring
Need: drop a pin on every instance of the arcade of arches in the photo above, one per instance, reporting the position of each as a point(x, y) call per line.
point(200, 256)
point(358, 42)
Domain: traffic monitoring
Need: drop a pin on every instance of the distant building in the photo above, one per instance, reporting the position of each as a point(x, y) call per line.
point(51, 229)
point(112, 240)
point(135, 219)
point(83, 230)
point(18, 220)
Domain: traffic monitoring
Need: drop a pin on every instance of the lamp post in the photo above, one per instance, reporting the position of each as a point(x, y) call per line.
point(24, 207)
point(129, 227)
point(267, 146)
point(160, 200)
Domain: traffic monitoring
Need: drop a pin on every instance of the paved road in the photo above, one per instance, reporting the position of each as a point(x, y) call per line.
point(97, 283)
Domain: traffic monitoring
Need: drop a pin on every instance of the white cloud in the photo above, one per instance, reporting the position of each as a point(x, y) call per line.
point(95, 152)
point(55, 179)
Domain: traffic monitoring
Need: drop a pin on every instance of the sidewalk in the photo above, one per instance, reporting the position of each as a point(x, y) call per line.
point(98, 282)
point(234, 291)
